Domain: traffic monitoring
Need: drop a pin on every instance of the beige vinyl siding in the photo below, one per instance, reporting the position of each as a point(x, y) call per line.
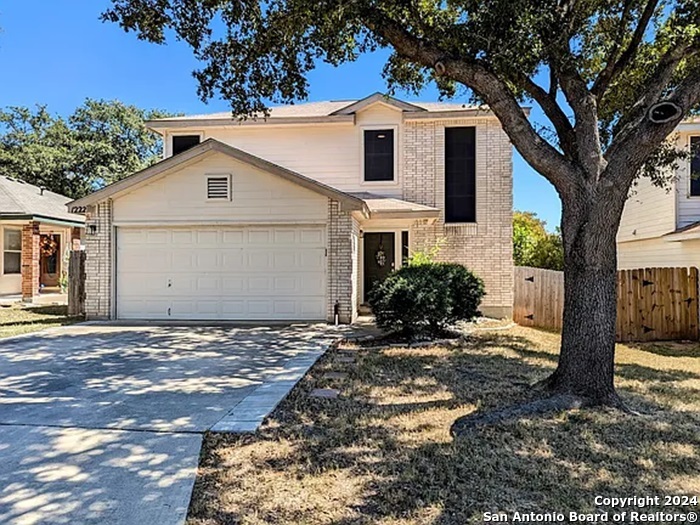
point(181, 197)
point(649, 212)
point(329, 153)
point(688, 207)
point(658, 253)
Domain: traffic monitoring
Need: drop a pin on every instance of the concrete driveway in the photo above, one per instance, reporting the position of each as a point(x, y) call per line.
point(103, 424)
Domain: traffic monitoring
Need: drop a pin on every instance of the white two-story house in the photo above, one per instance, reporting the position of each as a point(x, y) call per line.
point(660, 226)
point(295, 216)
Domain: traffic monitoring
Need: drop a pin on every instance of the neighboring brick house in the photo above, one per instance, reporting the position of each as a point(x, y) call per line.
point(36, 233)
point(295, 216)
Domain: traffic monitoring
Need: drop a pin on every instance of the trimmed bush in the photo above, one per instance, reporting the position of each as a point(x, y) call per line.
point(425, 299)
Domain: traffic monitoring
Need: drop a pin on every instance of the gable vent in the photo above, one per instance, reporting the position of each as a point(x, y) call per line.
point(219, 188)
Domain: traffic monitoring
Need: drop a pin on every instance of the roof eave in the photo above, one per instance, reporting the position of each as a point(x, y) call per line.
point(41, 218)
point(404, 214)
point(682, 236)
point(162, 124)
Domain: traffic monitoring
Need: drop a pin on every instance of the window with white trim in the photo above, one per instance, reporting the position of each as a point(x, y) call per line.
point(219, 188)
point(695, 166)
point(12, 251)
point(379, 155)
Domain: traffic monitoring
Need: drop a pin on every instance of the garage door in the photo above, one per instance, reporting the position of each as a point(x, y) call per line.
point(251, 273)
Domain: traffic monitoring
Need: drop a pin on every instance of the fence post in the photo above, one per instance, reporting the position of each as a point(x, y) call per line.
point(76, 283)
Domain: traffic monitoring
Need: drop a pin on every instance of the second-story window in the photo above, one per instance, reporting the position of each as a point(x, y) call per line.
point(460, 174)
point(695, 167)
point(184, 142)
point(379, 155)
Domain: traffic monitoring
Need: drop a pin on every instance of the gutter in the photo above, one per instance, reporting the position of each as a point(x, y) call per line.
point(156, 125)
point(41, 218)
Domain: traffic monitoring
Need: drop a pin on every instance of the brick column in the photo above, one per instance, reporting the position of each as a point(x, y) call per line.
point(343, 239)
point(30, 261)
point(75, 238)
point(98, 262)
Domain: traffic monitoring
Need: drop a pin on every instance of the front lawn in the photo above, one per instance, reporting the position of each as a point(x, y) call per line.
point(19, 319)
point(382, 453)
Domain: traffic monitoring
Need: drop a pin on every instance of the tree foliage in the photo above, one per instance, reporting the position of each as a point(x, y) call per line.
point(533, 245)
point(101, 142)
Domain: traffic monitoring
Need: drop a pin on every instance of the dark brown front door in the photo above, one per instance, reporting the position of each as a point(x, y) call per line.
point(50, 259)
point(378, 260)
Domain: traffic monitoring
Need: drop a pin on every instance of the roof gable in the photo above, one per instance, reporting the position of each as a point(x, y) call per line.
point(205, 148)
point(375, 98)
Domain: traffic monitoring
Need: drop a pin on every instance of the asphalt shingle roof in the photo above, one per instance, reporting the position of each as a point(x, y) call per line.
point(323, 109)
point(23, 199)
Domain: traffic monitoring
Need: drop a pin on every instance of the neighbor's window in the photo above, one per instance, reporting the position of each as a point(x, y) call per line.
point(184, 142)
point(695, 167)
point(379, 155)
point(12, 251)
point(460, 174)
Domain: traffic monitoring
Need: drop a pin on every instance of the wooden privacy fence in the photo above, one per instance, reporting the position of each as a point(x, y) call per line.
point(76, 283)
point(653, 304)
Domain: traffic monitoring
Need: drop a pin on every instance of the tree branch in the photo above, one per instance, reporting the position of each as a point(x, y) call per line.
point(584, 104)
point(500, 99)
point(657, 83)
point(548, 103)
point(614, 67)
point(644, 135)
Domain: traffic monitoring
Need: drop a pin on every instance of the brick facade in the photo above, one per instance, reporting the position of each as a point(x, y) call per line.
point(30, 261)
point(485, 247)
point(98, 261)
point(343, 263)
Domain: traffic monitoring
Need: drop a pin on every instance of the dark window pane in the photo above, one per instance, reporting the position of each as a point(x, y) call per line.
point(379, 155)
point(405, 254)
point(460, 174)
point(695, 167)
point(12, 262)
point(184, 142)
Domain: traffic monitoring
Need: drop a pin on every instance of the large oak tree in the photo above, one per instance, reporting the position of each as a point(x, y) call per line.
point(595, 67)
point(99, 143)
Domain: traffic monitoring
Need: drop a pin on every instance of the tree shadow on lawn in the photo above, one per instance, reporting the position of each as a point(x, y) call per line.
point(382, 453)
point(669, 348)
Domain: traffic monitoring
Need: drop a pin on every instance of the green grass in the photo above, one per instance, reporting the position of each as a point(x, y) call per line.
point(18, 319)
point(382, 453)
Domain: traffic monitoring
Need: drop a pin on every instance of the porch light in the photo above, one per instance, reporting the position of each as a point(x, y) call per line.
point(91, 228)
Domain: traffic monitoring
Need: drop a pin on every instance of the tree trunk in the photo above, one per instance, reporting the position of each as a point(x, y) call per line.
point(586, 361)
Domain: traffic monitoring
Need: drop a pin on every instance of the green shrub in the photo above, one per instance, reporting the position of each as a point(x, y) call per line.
point(426, 299)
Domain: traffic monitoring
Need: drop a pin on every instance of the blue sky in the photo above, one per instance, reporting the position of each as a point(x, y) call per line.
point(58, 53)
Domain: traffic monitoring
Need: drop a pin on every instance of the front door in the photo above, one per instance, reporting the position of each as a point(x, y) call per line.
point(50, 259)
point(378, 259)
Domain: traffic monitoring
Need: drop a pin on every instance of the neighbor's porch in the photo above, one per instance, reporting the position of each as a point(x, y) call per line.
point(34, 260)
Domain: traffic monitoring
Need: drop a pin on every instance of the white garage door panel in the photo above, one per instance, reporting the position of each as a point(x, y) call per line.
point(254, 273)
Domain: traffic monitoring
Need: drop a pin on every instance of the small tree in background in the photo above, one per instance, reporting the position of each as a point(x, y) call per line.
point(533, 245)
point(100, 143)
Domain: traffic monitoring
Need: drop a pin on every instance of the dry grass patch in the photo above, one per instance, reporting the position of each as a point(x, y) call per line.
point(19, 319)
point(382, 453)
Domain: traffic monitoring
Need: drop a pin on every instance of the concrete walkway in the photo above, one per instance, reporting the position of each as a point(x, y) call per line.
point(103, 424)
